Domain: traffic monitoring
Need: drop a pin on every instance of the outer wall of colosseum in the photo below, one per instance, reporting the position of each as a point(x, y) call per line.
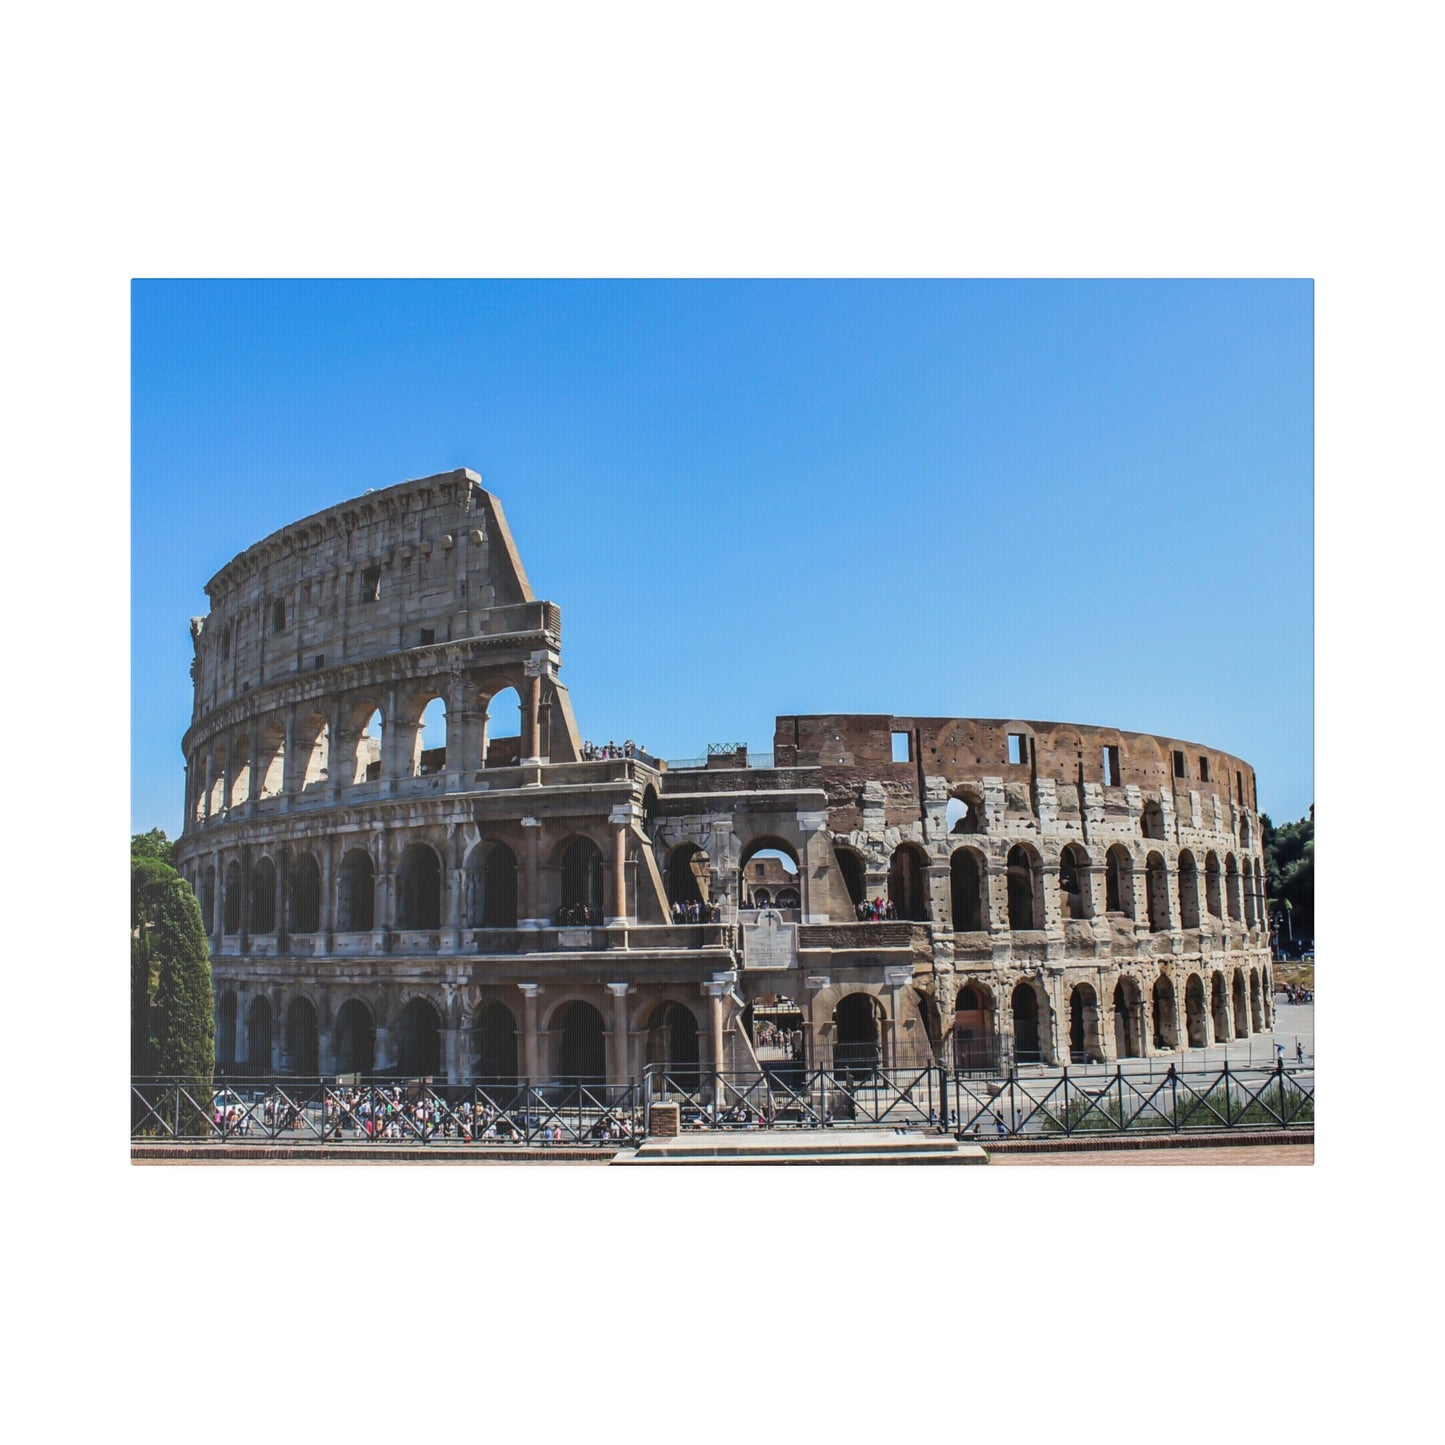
point(497, 906)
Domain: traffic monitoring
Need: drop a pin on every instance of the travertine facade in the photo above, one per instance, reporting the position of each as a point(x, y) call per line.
point(498, 908)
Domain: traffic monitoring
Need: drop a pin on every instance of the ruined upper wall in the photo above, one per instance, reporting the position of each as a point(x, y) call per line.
point(426, 561)
point(852, 748)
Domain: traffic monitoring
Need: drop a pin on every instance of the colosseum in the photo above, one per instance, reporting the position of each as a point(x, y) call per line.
point(506, 904)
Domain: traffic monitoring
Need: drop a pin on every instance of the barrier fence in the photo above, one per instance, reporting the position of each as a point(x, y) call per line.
point(421, 1112)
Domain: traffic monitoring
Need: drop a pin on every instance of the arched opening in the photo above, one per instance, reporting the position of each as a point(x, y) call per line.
point(964, 813)
point(774, 1023)
point(1028, 1036)
point(1241, 1005)
point(367, 758)
point(305, 894)
point(429, 747)
point(208, 899)
point(1256, 1010)
point(1211, 886)
point(857, 1037)
point(313, 751)
point(355, 1038)
point(1188, 890)
point(1219, 1008)
point(232, 909)
point(765, 866)
point(226, 1029)
point(687, 875)
point(582, 1051)
point(240, 773)
point(975, 1041)
point(263, 896)
point(581, 883)
point(908, 883)
point(271, 762)
point(1128, 1020)
point(1119, 881)
point(1248, 891)
point(672, 1041)
point(1022, 894)
point(419, 1040)
point(494, 1044)
point(966, 890)
point(1084, 1045)
point(419, 888)
point(502, 730)
point(788, 898)
point(1073, 882)
point(258, 1034)
point(850, 865)
point(1196, 1025)
point(1231, 886)
point(356, 893)
point(1157, 892)
point(1244, 833)
point(216, 797)
point(1166, 1025)
point(302, 1048)
point(491, 884)
point(649, 809)
point(1151, 821)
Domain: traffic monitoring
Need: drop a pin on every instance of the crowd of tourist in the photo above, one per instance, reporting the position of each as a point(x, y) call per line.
point(578, 915)
point(879, 910)
point(596, 752)
point(695, 911)
point(1297, 993)
point(768, 1035)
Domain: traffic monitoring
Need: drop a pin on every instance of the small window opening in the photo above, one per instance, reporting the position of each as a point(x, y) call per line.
point(1111, 767)
point(428, 636)
point(1179, 769)
point(226, 645)
point(1239, 786)
point(759, 869)
point(1018, 747)
point(371, 584)
point(902, 752)
point(318, 662)
point(1203, 770)
point(278, 615)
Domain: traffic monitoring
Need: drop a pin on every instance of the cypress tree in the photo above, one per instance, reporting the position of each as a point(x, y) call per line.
point(185, 1023)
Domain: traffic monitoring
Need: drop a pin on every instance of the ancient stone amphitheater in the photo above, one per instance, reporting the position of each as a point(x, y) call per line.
point(496, 906)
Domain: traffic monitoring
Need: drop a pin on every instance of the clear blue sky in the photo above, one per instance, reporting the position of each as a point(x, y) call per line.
point(1083, 501)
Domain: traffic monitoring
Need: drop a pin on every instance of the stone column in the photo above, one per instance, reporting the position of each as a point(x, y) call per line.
point(451, 1055)
point(278, 1032)
point(531, 911)
point(288, 761)
point(532, 1062)
point(716, 989)
point(328, 893)
point(382, 903)
point(618, 1059)
point(531, 744)
point(243, 1025)
point(896, 978)
point(382, 1059)
point(453, 940)
point(621, 821)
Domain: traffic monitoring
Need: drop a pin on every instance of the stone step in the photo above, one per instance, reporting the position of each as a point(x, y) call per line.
point(823, 1146)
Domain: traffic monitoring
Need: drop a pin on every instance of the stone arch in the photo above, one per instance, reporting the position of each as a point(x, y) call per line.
point(908, 882)
point(1157, 893)
point(1128, 1019)
point(262, 914)
point(271, 761)
point(1074, 895)
point(1241, 1005)
point(366, 743)
point(1119, 881)
point(1188, 890)
point(215, 800)
point(1256, 1011)
point(687, 874)
point(303, 1051)
point(502, 729)
point(312, 740)
point(226, 1028)
point(1151, 821)
point(857, 1033)
point(974, 1027)
point(965, 812)
point(304, 894)
point(1244, 832)
point(1166, 1014)
point(1231, 886)
point(258, 1033)
point(428, 751)
point(1196, 1021)
point(239, 788)
point(1025, 902)
point(418, 1039)
point(757, 851)
point(419, 888)
point(208, 898)
point(356, 893)
point(494, 1043)
point(1219, 1007)
point(968, 890)
point(672, 1039)
point(581, 882)
point(355, 1038)
point(1212, 894)
point(490, 879)
point(1247, 880)
point(854, 871)
point(1032, 1023)
point(231, 904)
point(580, 1041)
point(1085, 1046)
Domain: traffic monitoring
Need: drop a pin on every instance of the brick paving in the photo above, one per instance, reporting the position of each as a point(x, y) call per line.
point(1232, 1154)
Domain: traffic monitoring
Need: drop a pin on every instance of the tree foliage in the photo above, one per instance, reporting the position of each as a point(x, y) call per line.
point(184, 1017)
point(154, 844)
point(1289, 868)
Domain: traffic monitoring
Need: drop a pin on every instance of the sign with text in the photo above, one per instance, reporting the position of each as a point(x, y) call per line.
point(770, 943)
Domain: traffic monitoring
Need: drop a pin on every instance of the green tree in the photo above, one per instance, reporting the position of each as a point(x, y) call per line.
point(154, 844)
point(1289, 868)
point(184, 1018)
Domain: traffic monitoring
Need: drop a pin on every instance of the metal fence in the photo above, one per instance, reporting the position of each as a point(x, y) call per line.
point(420, 1112)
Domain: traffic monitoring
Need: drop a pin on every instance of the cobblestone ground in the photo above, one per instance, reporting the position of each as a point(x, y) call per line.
point(1234, 1154)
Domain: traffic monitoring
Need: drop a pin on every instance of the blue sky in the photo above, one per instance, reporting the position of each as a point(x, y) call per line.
point(1083, 501)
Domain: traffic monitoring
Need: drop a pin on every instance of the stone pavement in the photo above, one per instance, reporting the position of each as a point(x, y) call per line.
point(1232, 1154)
